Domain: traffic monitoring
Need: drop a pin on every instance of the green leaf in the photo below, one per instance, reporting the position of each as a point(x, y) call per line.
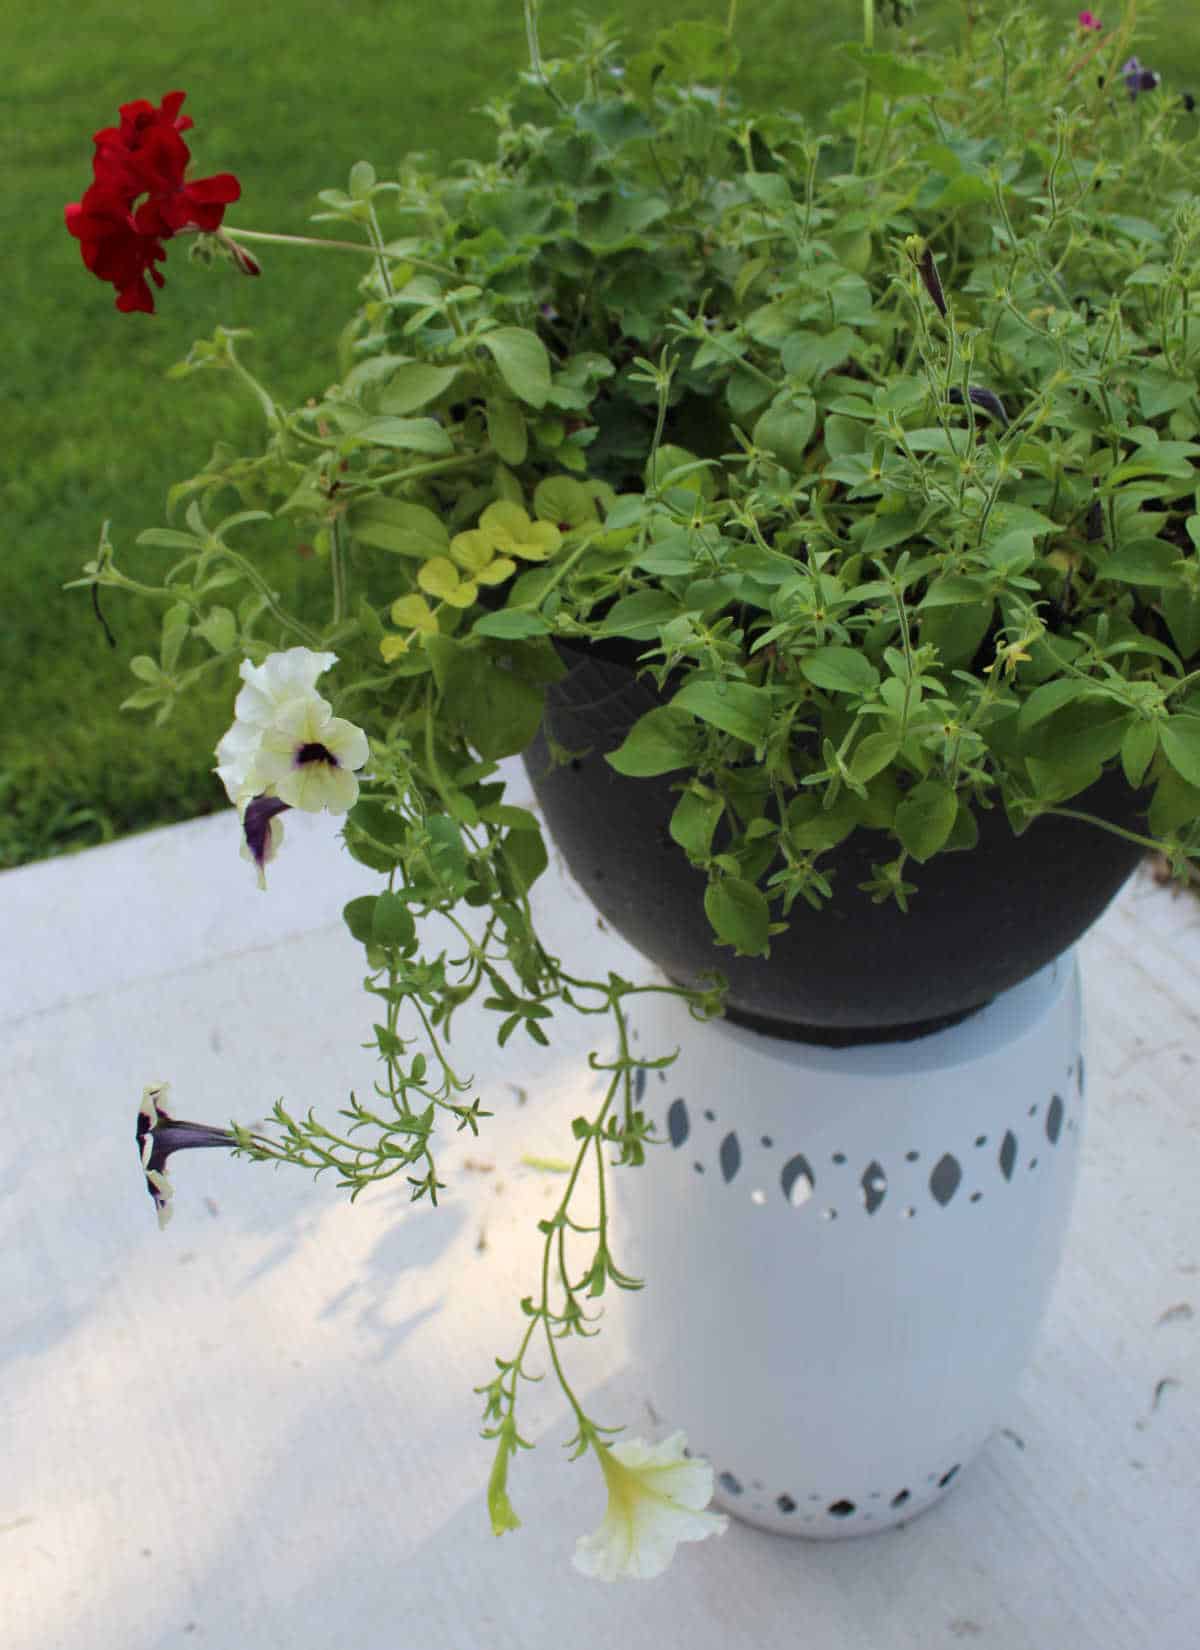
point(410, 435)
point(362, 180)
point(618, 220)
point(525, 856)
point(522, 361)
point(359, 917)
point(565, 502)
point(415, 385)
point(957, 631)
point(926, 817)
point(844, 437)
point(392, 924)
point(840, 670)
point(640, 616)
point(1180, 739)
point(1137, 750)
point(506, 429)
point(405, 529)
point(786, 428)
point(614, 121)
point(734, 707)
point(145, 668)
point(809, 355)
point(872, 755)
point(890, 74)
point(375, 836)
point(1175, 804)
point(967, 189)
point(219, 629)
point(176, 622)
point(658, 742)
point(1050, 697)
point(739, 915)
point(1181, 610)
point(693, 822)
point(511, 624)
point(1145, 561)
point(499, 711)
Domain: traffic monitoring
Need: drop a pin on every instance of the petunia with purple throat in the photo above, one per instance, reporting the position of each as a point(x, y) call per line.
point(159, 1134)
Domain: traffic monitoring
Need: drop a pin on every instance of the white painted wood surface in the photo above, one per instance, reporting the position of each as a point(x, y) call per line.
point(257, 1429)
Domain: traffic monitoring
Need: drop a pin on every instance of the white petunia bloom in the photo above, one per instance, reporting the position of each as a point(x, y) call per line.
point(307, 757)
point(656, 1499)
point(282, 679)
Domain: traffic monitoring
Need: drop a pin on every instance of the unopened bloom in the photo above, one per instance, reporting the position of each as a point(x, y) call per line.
point(1088, 20)
point(158, 1135)
point(656, 1499)
point(262, 831)
point(1138, 79)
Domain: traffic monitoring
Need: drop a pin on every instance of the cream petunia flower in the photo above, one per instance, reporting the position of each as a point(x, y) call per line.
point(656, 1499)
point(307, 757)
point(280, 680)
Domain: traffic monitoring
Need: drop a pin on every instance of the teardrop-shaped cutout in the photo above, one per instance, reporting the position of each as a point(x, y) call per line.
point(944, 1181)
point(731, 1156)
point(874, 1186)
point(1008, 1155)
point(678, 1125)
point(1054, 1119)
point(797, 1180)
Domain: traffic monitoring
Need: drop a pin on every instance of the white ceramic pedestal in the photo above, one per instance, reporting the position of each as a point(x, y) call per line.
point(848, 1250)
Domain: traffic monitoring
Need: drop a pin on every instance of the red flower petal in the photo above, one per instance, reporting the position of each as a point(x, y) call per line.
point(144, 156)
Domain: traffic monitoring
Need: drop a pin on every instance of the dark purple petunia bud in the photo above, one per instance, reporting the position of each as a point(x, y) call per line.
point(261, 834)
point(1138, 79)
point(985, 400)
point(933, 286)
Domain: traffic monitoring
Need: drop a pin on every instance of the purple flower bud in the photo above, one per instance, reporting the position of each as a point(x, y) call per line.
point(261, 840)
point(933, 286)
point(1138, 79)
point(985, 400)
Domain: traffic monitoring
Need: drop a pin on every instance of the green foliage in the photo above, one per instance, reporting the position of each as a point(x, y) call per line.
point(675, 370)
point(876, 444)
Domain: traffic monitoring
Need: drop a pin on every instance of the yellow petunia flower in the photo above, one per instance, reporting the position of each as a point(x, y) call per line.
point(656, 1499)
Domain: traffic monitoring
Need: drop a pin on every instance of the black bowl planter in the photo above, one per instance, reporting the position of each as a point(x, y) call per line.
point(982, 920)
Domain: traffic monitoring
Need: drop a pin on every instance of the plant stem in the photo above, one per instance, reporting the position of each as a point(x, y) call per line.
point(325, 242)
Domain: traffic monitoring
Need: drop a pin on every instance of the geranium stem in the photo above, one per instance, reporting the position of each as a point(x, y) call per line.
point(359, 247)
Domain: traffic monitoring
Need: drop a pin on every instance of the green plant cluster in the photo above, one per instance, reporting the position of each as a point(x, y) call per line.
point(877, 447)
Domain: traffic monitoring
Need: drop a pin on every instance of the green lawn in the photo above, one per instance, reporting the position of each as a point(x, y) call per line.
point(288, 96)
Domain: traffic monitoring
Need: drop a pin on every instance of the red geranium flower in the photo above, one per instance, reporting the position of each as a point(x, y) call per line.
point(145, 156)
point(113, 249)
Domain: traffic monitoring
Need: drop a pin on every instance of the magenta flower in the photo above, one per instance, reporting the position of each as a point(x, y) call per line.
point(1089, 20)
